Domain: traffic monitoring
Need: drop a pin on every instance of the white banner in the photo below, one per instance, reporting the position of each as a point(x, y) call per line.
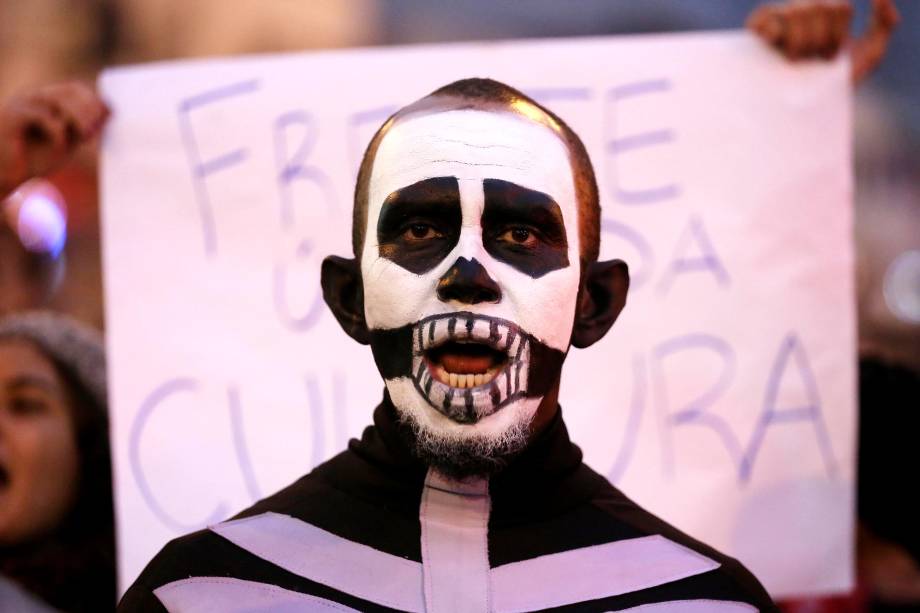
point(724, 397)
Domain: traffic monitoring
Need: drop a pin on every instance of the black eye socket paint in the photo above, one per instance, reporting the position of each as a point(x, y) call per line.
point(420, 224)
point(524, 228)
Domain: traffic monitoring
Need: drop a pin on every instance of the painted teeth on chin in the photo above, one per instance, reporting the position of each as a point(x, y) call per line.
point(463, 327)
point(467, 397)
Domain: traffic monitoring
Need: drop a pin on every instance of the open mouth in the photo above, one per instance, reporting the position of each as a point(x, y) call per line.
point(468, 366)
point(465, 364)
point(4, 478)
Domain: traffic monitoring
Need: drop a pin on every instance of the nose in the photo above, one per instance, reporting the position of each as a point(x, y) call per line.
point(468, 282)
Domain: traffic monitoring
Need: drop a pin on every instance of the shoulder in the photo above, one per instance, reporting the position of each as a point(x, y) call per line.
point(206, 553)
point(191, 555)
point(727, 578)
point(318, 505)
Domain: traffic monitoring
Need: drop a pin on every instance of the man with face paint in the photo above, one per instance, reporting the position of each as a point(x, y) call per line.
point(476, 238)
point(469, 239)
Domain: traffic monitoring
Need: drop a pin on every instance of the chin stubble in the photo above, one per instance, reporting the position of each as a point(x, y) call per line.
point(461, 457)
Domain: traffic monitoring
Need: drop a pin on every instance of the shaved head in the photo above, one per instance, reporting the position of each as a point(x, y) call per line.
point(489, 95)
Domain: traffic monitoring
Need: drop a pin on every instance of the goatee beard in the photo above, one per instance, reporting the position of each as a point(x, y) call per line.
point(466, 457)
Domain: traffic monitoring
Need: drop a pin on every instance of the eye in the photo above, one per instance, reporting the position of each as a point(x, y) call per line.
point(420, 232)
point(22, 406)
point(519, 235)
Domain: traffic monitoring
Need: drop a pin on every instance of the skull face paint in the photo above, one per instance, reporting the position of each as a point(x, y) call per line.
point(470, 269)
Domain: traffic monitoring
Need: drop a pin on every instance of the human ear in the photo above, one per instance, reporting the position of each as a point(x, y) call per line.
point(343, 291)
point(602, 297)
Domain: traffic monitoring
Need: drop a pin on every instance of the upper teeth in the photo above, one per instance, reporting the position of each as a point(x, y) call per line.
point(464, 380)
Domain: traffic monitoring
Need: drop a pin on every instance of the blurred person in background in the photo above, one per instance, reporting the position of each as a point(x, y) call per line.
point(57, 549)
point(887, 205)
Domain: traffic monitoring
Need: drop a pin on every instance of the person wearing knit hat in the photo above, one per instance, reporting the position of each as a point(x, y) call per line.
point(56, 519)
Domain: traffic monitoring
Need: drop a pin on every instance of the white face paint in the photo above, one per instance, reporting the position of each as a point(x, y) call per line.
point(472, 146)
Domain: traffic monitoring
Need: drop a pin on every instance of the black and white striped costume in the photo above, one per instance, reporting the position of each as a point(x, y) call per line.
point(373, 529)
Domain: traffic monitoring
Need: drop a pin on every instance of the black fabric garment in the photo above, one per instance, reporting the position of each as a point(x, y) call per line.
point(546, 501)
point(889, 396)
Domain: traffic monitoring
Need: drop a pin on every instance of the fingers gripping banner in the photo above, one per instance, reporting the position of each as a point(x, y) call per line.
point(723, 398)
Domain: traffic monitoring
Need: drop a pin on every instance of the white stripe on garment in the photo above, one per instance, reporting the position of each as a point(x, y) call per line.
point(323, 557)
point(693, 606)
point(455, 575)
point(227, 595)
point(589, 573)
point(454, 517)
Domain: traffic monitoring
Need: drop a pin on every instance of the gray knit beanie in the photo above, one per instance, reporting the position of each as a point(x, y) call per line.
point(74, 346)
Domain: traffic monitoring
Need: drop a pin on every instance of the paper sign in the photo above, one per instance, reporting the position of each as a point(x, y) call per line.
point(722, 400)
